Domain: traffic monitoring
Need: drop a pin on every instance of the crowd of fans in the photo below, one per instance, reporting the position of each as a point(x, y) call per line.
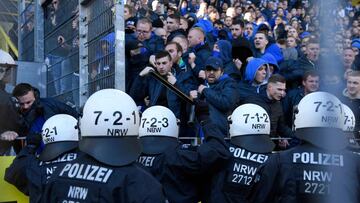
point(234, 52)
point(225, 52)
point(243, 70)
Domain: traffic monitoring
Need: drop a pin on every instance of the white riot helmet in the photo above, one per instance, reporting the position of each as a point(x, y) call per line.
point(349, 119)
point(250, 128)
point(319, 120)
point(6, 61)
point(109, 127)
point(158, 130)
point(60, 134)
point(348, 127)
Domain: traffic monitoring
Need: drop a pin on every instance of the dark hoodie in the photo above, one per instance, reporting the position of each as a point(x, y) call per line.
point(222, 98)
point(225, 55)
point(134, 64)
point(294, 73)
point(270, 59)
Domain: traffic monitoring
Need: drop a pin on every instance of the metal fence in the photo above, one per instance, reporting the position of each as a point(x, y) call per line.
point(27, 32)
point(61, 50)
point(79, 45)
point(100, 45)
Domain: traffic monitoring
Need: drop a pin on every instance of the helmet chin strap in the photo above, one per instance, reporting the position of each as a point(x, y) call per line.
point(2, 73)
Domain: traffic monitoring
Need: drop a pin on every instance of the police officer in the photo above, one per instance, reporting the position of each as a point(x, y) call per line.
point(177, 167)
point(317, 170)
point(30, 173)
point(10, 128)
point(106, 171)
point(348, 128)
point(250, 146)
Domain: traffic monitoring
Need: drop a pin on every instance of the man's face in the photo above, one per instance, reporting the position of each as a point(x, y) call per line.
point(292, 33)
point(312, 51)
point(260, 41)
point(260, 75)
point(353, 85)
point(278, 20)
point(143, 31)
point(175, 55)
point(311, 84)
point(349, 57)
point(194, 38)
point(126, 13)
point(276, 90)
point(171, 24)
point(249, 29)
point(26, 101)
point(236, 31)
point(228, 21)
point(347, 43)
point(163, 65)
point(291, 42)
point(212, 75)
point(184, 24)
point(280, 12)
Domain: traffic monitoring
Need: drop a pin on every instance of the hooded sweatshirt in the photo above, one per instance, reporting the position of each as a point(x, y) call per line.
point(222, 99)
point(225, 55)
point(270, 59)
point(251, 69)
point(248, 86)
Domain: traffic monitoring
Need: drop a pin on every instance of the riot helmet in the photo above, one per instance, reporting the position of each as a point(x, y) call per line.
point(348, 127)
point(109, 128)
point(60, 134)
point(158, 130)
point(319, 120)
point(6, 61)
point(250, 128)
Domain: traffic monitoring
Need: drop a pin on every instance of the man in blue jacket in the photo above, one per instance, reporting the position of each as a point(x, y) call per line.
point(154, 93)
point(219, 91)
point(34, 111)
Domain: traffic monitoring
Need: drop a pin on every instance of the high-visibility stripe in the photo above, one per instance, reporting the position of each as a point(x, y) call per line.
point(8, 41)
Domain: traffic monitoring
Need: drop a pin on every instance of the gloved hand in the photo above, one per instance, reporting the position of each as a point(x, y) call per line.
point(202, 110)
point(33, 140)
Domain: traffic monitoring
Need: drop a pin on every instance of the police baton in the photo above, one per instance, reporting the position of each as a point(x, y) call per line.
point(178, 92)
